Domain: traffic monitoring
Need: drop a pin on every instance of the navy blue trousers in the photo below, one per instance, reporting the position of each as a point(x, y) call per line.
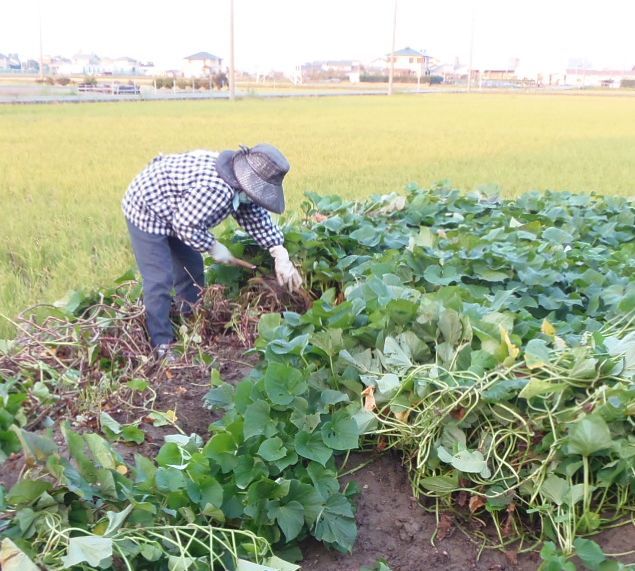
point(170, 269)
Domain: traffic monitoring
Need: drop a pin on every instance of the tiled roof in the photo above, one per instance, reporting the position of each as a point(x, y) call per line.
point(202, 56)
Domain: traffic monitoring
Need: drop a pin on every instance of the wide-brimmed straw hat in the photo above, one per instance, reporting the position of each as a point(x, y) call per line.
point(258, 171)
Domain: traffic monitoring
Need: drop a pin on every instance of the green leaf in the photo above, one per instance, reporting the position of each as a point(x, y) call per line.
point(35, 446)
point(537, 354)
point(258, 421)
point(341, 432)
point(589, 435)
point(589, 552)
point(283, 383)
point(132, 433)
point(170, 455)
point(280, 564)
point(267, 325)
point(248, 469)
point(108, 423)
point(272, 449)
point(151, 552)
point(336, 524)
point(324, 480)
point(211, 492)
point(244, 565)
point(395, 354)
point(450, 326)
point(471, 462)
point(388, 383)
point(555, 489)
point(91, 549)
point(329, 340)
point(290, 517)
point(311, 446)
point(180, 562)
point(557, 235)
point(220, 397)
point(222, 449)
point(27, 491)
point(138, 385)
point(553, 560)
point(441, 484)
point(116, 519)
point(101, 450)
point(536, 387)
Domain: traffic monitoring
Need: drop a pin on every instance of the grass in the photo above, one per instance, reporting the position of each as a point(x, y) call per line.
point(64, 168)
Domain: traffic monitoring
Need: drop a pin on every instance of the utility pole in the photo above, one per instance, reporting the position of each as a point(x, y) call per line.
point(232, 83)
point(391, 71)
point(469, 71)
point(39, 11)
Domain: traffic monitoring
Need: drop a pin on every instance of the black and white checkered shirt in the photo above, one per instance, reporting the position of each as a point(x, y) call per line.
point(182, 195)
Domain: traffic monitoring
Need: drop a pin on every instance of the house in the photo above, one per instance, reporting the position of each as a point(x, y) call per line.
point(348, 70)
point(52, 64)
point(81, 64)
point(495, 74)
point(10, 62)
point(120, 66)
point(409, 62)
point(450, 72)
point(202, 64)
point(582, 77)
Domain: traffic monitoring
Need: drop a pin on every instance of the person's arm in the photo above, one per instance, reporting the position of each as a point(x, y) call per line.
point(258, 223)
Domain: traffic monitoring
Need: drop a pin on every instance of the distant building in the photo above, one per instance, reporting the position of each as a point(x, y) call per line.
point(120, 66)
point(10, 62)
point(450, 72)
point(202, 64)
point(581, 77)
point(81, 64)
point(408, 61)
point(345, 70)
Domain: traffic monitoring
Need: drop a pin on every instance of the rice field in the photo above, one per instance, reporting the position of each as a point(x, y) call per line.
point(64, 168)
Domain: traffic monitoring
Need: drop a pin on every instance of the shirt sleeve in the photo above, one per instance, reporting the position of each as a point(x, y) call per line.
point(196, 212)
point(258, 224)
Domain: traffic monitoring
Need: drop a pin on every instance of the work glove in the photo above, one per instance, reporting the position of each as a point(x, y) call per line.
point(286, 272)
point(221, 254)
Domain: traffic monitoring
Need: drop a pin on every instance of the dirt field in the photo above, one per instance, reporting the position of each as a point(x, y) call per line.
point(392, 525)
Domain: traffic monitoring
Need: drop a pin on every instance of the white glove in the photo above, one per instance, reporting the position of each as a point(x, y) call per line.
point(221, 254)
point(286, 273)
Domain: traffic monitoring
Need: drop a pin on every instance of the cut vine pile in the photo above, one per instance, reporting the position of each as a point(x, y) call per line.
point(489, 344)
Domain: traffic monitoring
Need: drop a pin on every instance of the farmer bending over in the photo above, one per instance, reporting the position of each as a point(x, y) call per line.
point(172, 203)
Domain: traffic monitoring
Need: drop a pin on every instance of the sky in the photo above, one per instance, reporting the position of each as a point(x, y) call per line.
point(279, 34)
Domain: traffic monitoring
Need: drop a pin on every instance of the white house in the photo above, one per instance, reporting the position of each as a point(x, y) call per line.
point(408, 61)
point(81, 64)
point(581, 77)
point(120, 66)
point(202, 64)
point(10, 62)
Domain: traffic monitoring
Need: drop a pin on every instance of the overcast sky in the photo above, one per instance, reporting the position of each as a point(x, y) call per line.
point(277, 34)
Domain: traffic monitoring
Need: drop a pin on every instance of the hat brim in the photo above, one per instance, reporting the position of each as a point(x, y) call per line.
point(269, 196)
point(225, 168)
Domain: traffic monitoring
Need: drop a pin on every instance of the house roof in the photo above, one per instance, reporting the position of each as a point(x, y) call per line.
point(409, 52)
point(202, 56)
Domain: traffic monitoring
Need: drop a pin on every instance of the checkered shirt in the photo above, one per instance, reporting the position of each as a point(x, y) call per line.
point(182, 195)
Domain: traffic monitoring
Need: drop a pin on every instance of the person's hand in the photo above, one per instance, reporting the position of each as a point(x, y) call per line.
point(286, 272)
point(221, 254)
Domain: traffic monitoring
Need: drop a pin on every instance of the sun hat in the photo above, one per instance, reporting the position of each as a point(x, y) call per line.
point(258, 171)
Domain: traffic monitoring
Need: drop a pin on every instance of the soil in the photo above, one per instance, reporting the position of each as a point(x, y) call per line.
point(392, 525)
